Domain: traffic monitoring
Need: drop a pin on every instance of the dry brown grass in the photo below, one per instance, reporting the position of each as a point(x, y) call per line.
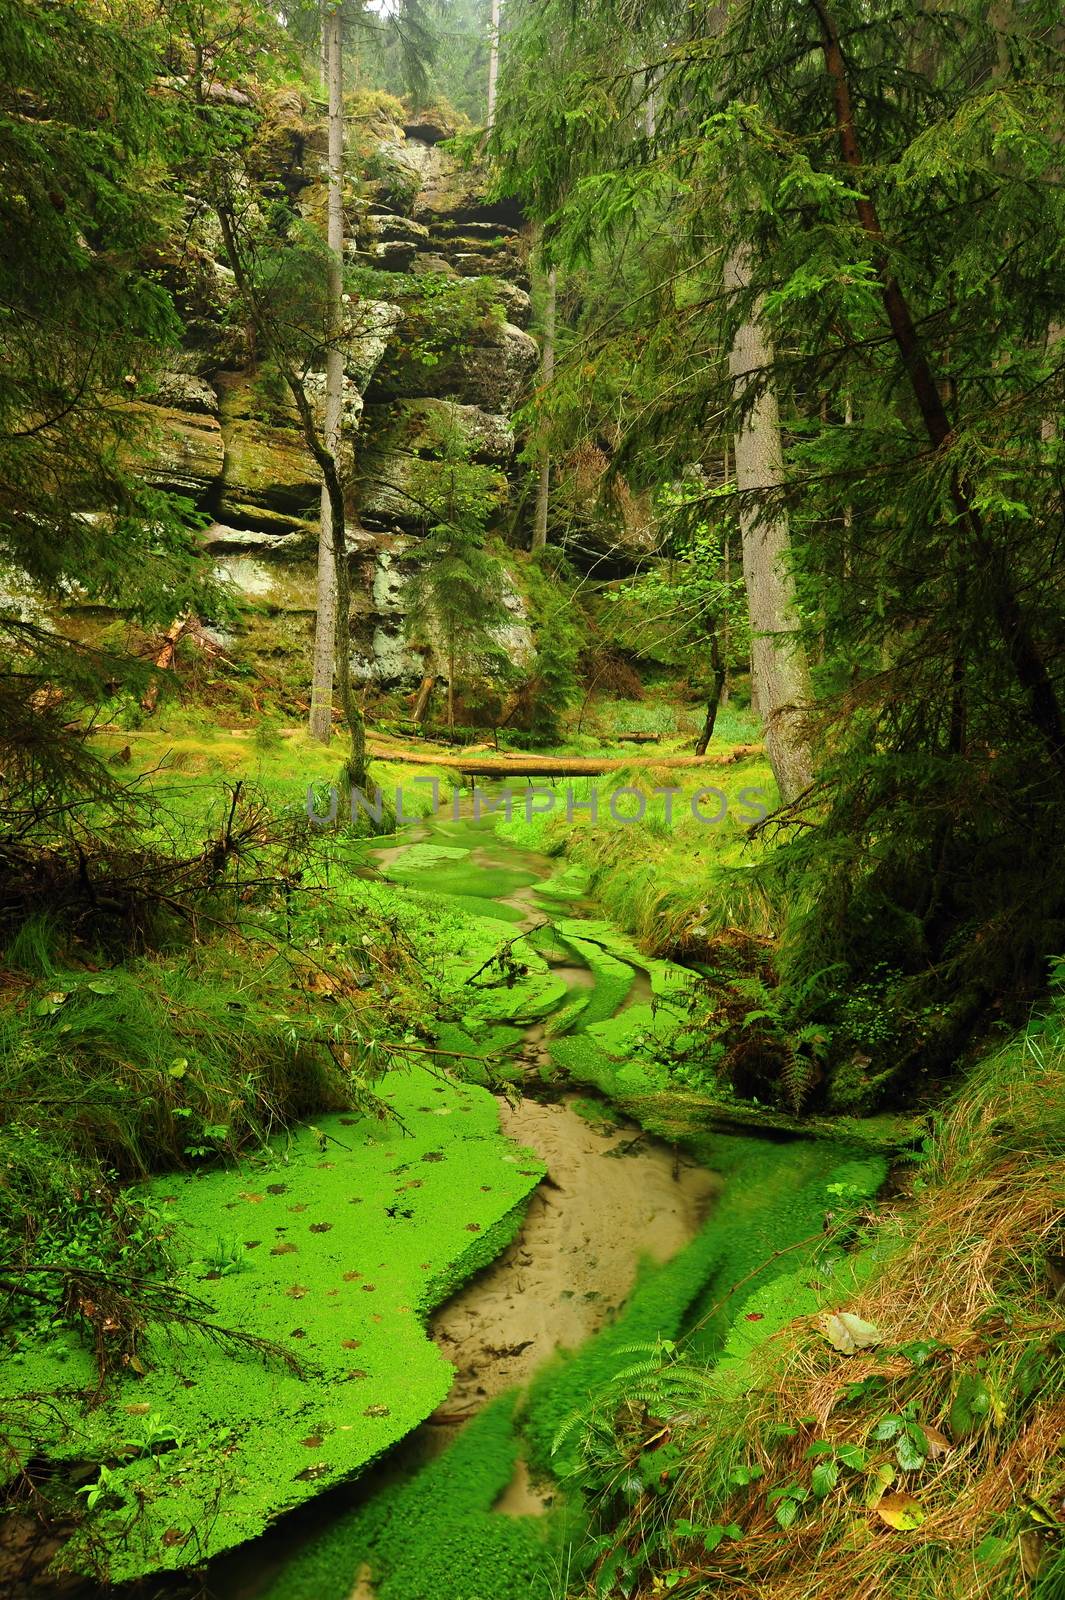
point(969, 1264)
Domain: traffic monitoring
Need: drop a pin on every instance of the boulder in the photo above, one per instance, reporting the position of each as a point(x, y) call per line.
point(452, 193)
point(397, 436)
point(386, 228)
point(415, 427)
point(490, 374)
point(185, 391)
point(483, 264)
point(187, 449)
point(391, 255)
point(515, 302)
point(371, 324)
point(270, 480)
point(430, 126)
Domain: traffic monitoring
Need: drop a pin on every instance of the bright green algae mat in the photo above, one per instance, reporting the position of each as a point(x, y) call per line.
point(341, 1252)
point(435, 1536)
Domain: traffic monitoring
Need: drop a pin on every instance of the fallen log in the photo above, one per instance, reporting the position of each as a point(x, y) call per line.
point(638, 738)
point(523, 766)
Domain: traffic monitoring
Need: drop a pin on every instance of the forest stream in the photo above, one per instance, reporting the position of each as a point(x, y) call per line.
point(613, 1197)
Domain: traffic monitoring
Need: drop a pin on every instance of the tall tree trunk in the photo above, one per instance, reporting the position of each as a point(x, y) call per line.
point(451, 687)
point(1024, 654)
point(547, 373)
point(493, 63)
point(325, 628)
point(780, 676)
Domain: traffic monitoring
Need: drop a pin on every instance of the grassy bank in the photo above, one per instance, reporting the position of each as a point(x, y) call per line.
point(913, 1451)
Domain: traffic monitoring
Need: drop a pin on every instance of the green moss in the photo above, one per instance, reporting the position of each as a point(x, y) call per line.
point(435, 1536)
point(343, 1240)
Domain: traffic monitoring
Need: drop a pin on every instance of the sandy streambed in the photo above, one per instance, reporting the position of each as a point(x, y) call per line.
point(612, 1197)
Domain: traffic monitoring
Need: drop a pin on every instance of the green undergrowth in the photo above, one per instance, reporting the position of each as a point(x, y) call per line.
point(670, 880)
point(335, 1243)
point(435, 1536)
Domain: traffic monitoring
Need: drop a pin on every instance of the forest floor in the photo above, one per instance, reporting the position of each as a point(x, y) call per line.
point(470, 961)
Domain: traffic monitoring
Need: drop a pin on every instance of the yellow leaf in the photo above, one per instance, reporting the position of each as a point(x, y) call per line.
point(848, 1333)
point(900, 1511)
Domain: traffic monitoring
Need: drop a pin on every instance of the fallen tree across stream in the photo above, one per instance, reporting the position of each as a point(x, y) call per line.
point(525, 766)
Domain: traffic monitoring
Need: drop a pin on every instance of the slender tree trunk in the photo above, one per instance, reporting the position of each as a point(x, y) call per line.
point(547, 373)
point(451, 687)
point(714, 699)
point(726, 620)
point(1025, 657)
point(325, 629)
point(780, 677)
point(493, 63)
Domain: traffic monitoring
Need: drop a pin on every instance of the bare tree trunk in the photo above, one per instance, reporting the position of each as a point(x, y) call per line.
point(451, 688)
point(421, 704)
point(780, 676)
point(493, 63)
point(726, 621)
point(547, 373)
point(325, 628)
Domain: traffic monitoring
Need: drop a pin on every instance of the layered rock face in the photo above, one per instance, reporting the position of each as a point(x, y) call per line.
point(436, 342)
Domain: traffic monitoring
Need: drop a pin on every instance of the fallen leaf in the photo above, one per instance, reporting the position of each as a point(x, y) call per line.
point(900, 1511)
point(301, 1206)
point(174, 1536)
point(473, 1227)
point(312, 1441)
point(352, 1277)
point(938, 1443)
point(351, 1344)
point(298, 1333)
point(754, 1316)
point(377, 1411)
point(137, 1411)
point(252, 1244)
point(321, 1227)
point(297, 1291)
point(252, 1199)
point(848, 1333)
point(277, 1188)
point(283, 1249)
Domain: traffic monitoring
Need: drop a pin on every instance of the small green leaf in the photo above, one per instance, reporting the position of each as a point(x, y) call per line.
point(786, 1512)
